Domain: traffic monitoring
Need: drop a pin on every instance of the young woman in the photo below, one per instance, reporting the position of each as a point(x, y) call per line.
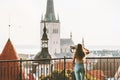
point(78, 60)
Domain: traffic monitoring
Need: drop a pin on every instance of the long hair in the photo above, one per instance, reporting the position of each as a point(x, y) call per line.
point(79, 52)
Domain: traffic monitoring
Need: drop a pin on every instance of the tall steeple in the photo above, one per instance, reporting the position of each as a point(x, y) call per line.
point(52, 28)
point(44, 54)
point(44, 37)
point(83, 42)
point(71, 35)
point(50, 15)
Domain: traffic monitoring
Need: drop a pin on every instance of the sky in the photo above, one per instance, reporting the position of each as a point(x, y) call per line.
point(97, 21)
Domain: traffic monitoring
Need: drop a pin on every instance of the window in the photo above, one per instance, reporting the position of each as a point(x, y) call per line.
point(65, 49)
point(55, 30)
point(56, 42)
point(61, 50)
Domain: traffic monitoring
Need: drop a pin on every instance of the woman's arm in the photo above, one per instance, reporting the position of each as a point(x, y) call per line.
point(86, 50)
point(73, 60)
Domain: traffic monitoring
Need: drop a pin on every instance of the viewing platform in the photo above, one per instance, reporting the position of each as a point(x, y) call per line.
point(96, 68)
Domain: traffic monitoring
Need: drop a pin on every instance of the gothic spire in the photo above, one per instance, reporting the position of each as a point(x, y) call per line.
point(71, 35)
point(44, 37)
point(83, 42)
point(50, 15)
point(44, 54)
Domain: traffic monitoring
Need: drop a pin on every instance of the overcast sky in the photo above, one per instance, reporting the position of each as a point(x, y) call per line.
point(98, 21)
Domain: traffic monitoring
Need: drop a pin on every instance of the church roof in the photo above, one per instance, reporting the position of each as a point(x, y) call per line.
point(44, 54)
point(50, 15)
point(9, 52)
point(66, 42)
point(62, 55)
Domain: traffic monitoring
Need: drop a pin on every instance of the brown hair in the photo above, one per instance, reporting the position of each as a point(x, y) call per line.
point(79, 52)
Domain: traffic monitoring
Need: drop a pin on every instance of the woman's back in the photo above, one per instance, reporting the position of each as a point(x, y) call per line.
point(78, 59)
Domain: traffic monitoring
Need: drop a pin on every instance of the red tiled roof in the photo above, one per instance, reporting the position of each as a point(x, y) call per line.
point(98, 74)
point(9, 70)
point(9, 52)
point(60, 65)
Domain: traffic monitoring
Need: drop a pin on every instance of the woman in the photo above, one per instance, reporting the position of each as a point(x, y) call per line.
point(78, 60)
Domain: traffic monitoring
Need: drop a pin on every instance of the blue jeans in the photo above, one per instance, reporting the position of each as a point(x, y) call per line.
point(79, 71)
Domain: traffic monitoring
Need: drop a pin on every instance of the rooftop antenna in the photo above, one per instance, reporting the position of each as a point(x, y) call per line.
point(9, 31)
point(9, 28)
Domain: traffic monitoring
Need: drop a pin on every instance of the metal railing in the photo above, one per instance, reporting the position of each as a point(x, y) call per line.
point(97, 68)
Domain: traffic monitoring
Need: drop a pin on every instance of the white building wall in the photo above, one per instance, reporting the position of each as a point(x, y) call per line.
point(53, 32)
point(65, 49)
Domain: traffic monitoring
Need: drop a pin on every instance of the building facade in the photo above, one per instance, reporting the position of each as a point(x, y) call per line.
point(53, 28)
point(55, 44)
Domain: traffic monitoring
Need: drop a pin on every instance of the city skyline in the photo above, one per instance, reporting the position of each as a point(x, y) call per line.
point(95, 21)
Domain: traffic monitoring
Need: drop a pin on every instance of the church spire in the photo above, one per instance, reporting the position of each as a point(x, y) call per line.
point(44, 52)
point(71, 35)
point(83, 42)
point(44, 37)
point(50, 15)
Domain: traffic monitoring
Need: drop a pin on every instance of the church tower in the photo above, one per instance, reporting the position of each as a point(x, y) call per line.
point(53, 28)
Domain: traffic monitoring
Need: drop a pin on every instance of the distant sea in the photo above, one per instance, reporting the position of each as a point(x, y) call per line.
point(28, 49)
point(34, 49)
point(104, 47)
